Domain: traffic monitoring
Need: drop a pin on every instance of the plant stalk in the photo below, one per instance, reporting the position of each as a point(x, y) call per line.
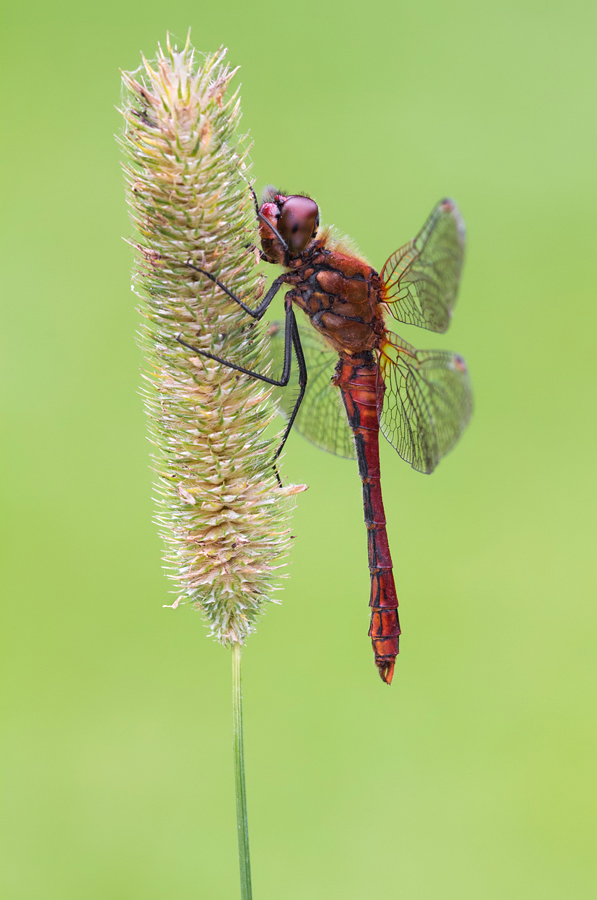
point(244, 858)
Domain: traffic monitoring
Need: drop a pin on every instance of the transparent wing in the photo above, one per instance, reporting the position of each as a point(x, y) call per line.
point(424, 401)
point(421, 279)
point(322, 417)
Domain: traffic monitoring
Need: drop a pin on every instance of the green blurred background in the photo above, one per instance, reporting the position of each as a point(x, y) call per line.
point(472, 776)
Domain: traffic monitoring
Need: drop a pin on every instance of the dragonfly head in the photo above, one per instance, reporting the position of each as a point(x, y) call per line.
point(287, 225)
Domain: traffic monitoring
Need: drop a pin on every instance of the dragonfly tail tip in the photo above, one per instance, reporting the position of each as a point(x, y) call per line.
point(386, 669)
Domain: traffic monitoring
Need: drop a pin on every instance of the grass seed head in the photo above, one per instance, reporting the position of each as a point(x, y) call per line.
point(224, 520)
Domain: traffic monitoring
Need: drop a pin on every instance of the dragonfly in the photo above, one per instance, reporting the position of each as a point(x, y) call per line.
point(355, 376)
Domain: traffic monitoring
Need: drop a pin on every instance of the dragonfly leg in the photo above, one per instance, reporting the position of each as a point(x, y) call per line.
point(290, 337)
point(255, 313)
point(282, 382)
point(302, 366)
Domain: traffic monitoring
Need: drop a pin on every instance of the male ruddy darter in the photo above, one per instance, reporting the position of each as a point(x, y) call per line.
point(419, 399)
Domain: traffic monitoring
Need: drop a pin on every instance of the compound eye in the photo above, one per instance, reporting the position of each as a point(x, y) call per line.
point(298, 222)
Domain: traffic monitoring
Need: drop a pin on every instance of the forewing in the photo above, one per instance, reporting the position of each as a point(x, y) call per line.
point(321, 417)
point(427, 401)
point(421, 279)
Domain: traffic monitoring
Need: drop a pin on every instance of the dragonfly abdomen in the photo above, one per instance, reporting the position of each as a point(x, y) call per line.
point(357, 377)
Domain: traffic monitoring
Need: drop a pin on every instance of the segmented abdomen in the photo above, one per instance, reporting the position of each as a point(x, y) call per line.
point(356, 376)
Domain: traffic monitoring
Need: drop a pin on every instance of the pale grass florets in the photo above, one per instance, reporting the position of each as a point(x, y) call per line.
point(220, 511)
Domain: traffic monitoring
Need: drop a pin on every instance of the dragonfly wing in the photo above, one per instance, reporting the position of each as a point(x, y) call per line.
point(321, 417)
point(424, 401)
point(421, 279)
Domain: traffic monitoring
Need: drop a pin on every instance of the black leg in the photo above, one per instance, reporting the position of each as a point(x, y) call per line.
point(289, 326)
point(256, 313)
point(302, 366)
point(290, 337)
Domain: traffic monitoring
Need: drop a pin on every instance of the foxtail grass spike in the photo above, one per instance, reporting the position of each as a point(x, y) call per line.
point(224, 520)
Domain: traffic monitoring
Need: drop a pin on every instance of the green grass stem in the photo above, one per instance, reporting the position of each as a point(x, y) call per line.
point(244, 858)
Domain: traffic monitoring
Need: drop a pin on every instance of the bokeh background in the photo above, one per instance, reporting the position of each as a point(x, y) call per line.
point(473, 775)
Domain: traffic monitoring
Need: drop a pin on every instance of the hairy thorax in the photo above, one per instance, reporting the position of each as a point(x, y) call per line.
point(341, 295)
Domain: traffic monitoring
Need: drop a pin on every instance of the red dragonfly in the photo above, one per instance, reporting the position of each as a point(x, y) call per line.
point(419, 399)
